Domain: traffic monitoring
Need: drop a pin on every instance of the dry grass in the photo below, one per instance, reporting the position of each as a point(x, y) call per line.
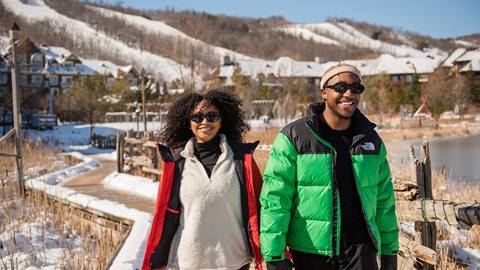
point(37, 160)
point(98, 243)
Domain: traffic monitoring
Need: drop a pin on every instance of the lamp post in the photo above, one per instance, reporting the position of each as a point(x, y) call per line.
point(142, 77)
point(414, 81)
point(137, 113)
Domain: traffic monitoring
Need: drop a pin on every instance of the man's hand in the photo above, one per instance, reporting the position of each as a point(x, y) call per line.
point(280, 265)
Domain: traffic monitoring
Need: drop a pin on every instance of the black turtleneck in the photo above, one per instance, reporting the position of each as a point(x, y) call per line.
point(353, 225)
point(208, 153)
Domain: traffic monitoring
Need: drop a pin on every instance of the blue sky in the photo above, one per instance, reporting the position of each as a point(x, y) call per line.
point(436, 18)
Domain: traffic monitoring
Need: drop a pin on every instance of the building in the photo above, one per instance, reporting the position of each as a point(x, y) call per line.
point(465, 61)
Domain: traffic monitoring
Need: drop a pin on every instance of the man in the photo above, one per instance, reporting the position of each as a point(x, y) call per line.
point(327, 193)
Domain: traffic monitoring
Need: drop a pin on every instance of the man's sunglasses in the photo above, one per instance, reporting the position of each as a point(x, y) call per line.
point(357, 88)
point(210, 116)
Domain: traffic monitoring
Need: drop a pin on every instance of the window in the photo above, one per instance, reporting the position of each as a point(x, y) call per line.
point(23, 80)
point(3, 78)
point(22, 62)
point(66, 80)
point(409, 78)
point(37, 62)
point(37, 80)
point(53, 80)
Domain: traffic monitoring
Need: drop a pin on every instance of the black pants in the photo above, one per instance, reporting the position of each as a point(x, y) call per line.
point(356, 257)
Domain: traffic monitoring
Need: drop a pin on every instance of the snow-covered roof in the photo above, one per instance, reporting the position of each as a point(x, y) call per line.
point(101, 67)
point(385, 64)
point(126, 69)
point(282, 67)
point(421, 65)
point(287, 67)
point(453, 56)
point(474, 65)
point(59, 54)
point(469, 56)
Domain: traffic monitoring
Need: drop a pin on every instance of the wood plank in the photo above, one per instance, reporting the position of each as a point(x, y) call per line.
point(8, 155)
point(151, 144)
point(7, 135)
point(151, 170)
point(130, 140)
point(141, 161)
point(428, 210)
point(421, 252)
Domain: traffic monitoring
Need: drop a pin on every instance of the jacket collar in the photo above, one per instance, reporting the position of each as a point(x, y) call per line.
point(189, 152)
point(360, 123)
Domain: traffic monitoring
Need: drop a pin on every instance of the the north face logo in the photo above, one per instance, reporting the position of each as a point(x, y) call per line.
point(369, 146)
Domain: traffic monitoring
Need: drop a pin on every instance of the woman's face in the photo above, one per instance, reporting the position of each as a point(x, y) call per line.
point(205, 122)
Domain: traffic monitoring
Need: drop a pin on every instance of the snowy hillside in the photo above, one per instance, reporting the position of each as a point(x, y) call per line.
point(36, 11)
point(343, 34)
point(162, 28)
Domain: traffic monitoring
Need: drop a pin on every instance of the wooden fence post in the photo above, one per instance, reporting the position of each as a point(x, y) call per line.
point(16, 110)
point(421, 172)
point(119, 152)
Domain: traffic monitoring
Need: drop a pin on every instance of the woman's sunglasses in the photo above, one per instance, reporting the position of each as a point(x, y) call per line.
point(357, 88)
point(210, 116)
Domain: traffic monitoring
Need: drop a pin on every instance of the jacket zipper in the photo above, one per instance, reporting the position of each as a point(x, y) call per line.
point(370, 234)
point(334, 205)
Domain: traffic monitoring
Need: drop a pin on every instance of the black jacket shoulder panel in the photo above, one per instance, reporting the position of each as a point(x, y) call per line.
point(239, 149)
point(303, 139)
point(368, 145)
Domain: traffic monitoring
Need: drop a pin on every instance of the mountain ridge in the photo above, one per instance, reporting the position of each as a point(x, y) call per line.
point(189, 43)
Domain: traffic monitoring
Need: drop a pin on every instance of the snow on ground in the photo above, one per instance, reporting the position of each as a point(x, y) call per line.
point(76, 137)
point(307, 34)
point(36, 247)
point(465, 43)
point(162, 28)
point(131, 254)
point(61, 176)
point(346, 34)
point(138, 185)
point(36, 10)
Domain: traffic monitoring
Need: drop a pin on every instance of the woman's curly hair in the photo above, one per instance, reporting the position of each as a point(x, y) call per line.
point(176, 131)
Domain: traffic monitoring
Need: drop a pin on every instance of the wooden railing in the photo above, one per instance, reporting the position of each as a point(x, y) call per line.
point(136, 152)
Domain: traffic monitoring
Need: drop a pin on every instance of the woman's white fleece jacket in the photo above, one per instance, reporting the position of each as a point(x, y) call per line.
point(210, 234)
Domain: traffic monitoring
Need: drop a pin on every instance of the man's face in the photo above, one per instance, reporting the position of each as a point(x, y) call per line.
point(344, 104)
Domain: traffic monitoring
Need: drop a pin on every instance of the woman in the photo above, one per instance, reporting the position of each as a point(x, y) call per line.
point(206, 210)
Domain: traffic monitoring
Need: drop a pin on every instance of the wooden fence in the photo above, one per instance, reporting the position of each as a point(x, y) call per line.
point(415, 202)
point(137, 153)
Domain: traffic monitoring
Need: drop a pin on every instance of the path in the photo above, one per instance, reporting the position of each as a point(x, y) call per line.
point(90, 183)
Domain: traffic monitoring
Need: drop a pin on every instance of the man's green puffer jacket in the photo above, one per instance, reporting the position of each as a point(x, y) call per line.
point(300, 203)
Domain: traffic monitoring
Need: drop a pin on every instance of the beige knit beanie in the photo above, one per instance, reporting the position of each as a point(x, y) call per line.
point(335, 70)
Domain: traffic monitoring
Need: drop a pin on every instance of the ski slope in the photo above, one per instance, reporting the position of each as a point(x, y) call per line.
point(161, 28)
point(342, 34)
point(35, 11)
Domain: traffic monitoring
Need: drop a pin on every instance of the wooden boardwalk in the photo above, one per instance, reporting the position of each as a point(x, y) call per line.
point(90, 183)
